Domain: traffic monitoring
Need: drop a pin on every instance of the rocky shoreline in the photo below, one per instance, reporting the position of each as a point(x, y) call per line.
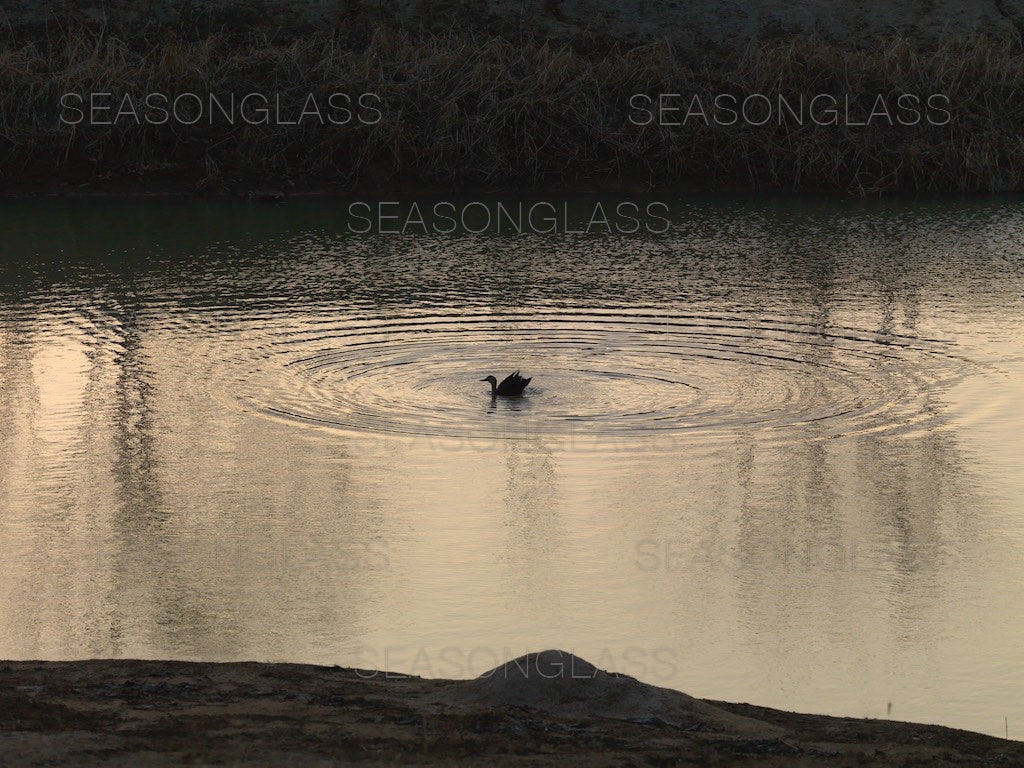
point(545, 709)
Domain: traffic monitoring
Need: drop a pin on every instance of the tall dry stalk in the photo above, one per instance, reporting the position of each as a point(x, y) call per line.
point(461, 109)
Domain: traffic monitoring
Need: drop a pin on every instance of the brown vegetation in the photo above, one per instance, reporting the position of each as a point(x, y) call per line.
point(498, 114)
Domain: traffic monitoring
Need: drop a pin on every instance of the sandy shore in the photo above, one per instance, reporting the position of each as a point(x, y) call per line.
point(544, 709)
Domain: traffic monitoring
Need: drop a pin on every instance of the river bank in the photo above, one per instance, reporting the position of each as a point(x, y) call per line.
point(376, 106)
point(539, 710)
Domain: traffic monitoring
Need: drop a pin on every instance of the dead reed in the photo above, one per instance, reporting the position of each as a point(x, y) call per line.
point(478, 112)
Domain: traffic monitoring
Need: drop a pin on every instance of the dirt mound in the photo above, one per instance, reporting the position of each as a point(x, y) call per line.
point(560, 682)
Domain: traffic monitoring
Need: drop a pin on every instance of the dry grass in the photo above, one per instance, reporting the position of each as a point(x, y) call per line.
point(492, 113)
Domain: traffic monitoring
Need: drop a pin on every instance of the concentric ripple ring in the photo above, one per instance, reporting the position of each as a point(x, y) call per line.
point(602, 372)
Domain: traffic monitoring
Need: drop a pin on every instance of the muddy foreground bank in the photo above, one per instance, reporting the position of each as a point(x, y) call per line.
point(549, 709)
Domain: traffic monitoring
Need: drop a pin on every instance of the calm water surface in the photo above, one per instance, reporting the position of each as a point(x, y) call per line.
point(772, 455)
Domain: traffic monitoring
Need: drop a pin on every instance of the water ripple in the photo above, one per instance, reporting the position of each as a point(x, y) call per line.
point(602, 372)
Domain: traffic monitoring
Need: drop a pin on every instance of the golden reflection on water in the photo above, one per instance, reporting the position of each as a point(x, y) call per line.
point(168, 488)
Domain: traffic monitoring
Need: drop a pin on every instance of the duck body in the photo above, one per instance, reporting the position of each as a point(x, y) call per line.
point(511, 386)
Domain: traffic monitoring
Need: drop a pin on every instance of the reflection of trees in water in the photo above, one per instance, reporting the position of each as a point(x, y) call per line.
point(855, 534)
point(152, 557)
point(204, 546)
point(117, 410)
point(18, 399)
point(18, 405)
point(856, 539)
point(44, 489)
point(923, 507)
point(163, 501)
point(135, 459)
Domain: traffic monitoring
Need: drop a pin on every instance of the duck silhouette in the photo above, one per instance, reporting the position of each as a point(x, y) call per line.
point(511, 386)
